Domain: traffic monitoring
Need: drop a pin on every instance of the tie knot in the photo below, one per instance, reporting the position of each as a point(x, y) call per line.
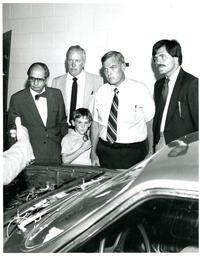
point(167, 80)
point(116, 90)
point(75, 79)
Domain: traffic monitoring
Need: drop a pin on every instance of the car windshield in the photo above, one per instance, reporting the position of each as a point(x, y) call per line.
point(157, 225)
point(38, 181)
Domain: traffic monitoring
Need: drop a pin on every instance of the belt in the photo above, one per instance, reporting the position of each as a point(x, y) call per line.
point(121, 145)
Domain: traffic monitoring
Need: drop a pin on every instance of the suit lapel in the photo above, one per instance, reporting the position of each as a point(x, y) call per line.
point(31, 107)
point(175, 96)
point(159, 92)
point(50, 105)
point(157, 98)
point(88, 89)
point(63, 86)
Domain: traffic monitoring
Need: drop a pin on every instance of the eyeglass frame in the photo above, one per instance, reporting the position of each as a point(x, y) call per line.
point(39, 80)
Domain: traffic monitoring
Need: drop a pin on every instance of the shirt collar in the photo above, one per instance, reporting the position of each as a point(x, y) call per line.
point(35, 93)
point(120, 85)
point(174, 76)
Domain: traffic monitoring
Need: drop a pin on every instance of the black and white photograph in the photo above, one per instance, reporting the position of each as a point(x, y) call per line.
point(100, 126)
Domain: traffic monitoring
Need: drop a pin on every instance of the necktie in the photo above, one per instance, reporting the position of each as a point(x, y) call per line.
point(164, 95)
point(73, 97)
point(165, 91)
point(44, 94)
point(112, 122)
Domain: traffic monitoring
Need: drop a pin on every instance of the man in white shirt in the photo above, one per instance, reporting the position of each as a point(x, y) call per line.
point(42, 112)
point(177, 112)
point(87, 84)
point(120, 128)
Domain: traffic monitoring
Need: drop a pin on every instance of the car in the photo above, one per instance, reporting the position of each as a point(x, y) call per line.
point(151, 207)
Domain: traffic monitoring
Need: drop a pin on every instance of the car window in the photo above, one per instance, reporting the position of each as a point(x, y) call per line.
point(158, 225)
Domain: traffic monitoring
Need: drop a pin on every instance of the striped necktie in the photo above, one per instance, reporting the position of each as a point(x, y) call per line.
point(112, 122)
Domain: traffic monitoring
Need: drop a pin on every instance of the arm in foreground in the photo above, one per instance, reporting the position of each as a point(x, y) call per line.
point(18, 156)
point(94, 139)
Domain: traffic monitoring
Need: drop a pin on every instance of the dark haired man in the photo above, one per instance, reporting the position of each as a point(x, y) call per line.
point(175, 95)
point(42, 112)
point(122, 117)
point(77, 86)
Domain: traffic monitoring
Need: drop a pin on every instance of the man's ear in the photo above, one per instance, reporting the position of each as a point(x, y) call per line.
point(123, 66)
point(47, 79)
point(73, 122)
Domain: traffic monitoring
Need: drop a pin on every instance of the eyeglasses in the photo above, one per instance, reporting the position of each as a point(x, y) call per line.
point(39, 80)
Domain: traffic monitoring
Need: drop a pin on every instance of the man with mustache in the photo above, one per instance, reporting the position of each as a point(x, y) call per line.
point(175, 95)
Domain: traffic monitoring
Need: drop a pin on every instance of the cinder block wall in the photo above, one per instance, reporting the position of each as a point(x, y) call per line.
point(43, 32)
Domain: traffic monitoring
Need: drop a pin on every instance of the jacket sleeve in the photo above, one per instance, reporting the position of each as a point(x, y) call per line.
point(62, 115)
point(12, 113)
point(193, 102)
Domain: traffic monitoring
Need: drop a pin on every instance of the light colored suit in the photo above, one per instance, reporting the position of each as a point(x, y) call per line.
point(92, 84)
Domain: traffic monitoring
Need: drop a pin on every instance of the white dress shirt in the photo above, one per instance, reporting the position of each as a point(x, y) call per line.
point(171, 84)
point(80, 90)
point(136, 107)
point(41, 105)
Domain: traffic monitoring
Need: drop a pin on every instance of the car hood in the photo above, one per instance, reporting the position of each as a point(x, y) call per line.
point(66, 214)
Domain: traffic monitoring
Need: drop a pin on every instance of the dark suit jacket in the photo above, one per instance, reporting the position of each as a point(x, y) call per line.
point(182, 115)
point(45, 140)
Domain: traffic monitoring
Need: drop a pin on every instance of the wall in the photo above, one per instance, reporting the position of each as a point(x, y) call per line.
point(43, 32)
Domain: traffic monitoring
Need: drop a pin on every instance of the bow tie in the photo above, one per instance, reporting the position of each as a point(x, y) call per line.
point(44, 94)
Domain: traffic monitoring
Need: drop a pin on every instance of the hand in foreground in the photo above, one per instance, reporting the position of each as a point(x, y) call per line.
point(23, 136)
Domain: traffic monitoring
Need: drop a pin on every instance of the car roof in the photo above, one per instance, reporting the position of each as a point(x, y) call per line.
point(166, 165)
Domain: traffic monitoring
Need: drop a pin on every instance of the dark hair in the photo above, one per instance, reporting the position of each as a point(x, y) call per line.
point(115, 54)
point(82, 112)
point(39, 64)
point(172, 46)
point(77, 48)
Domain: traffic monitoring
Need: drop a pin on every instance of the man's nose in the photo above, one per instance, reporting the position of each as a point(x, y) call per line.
point(73, 63)
point(158, 60)
point(35, 81)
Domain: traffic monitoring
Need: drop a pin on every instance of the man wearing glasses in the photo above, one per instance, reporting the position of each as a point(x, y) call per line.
point(42, 112)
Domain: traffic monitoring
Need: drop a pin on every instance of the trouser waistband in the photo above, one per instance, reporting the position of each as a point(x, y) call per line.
point(121, 145)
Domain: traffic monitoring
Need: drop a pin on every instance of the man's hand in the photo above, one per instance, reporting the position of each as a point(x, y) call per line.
point(94, 159)
point(86, 145)
point(23, 136)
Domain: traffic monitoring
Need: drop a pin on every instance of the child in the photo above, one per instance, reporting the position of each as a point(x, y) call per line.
point(76, 145)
